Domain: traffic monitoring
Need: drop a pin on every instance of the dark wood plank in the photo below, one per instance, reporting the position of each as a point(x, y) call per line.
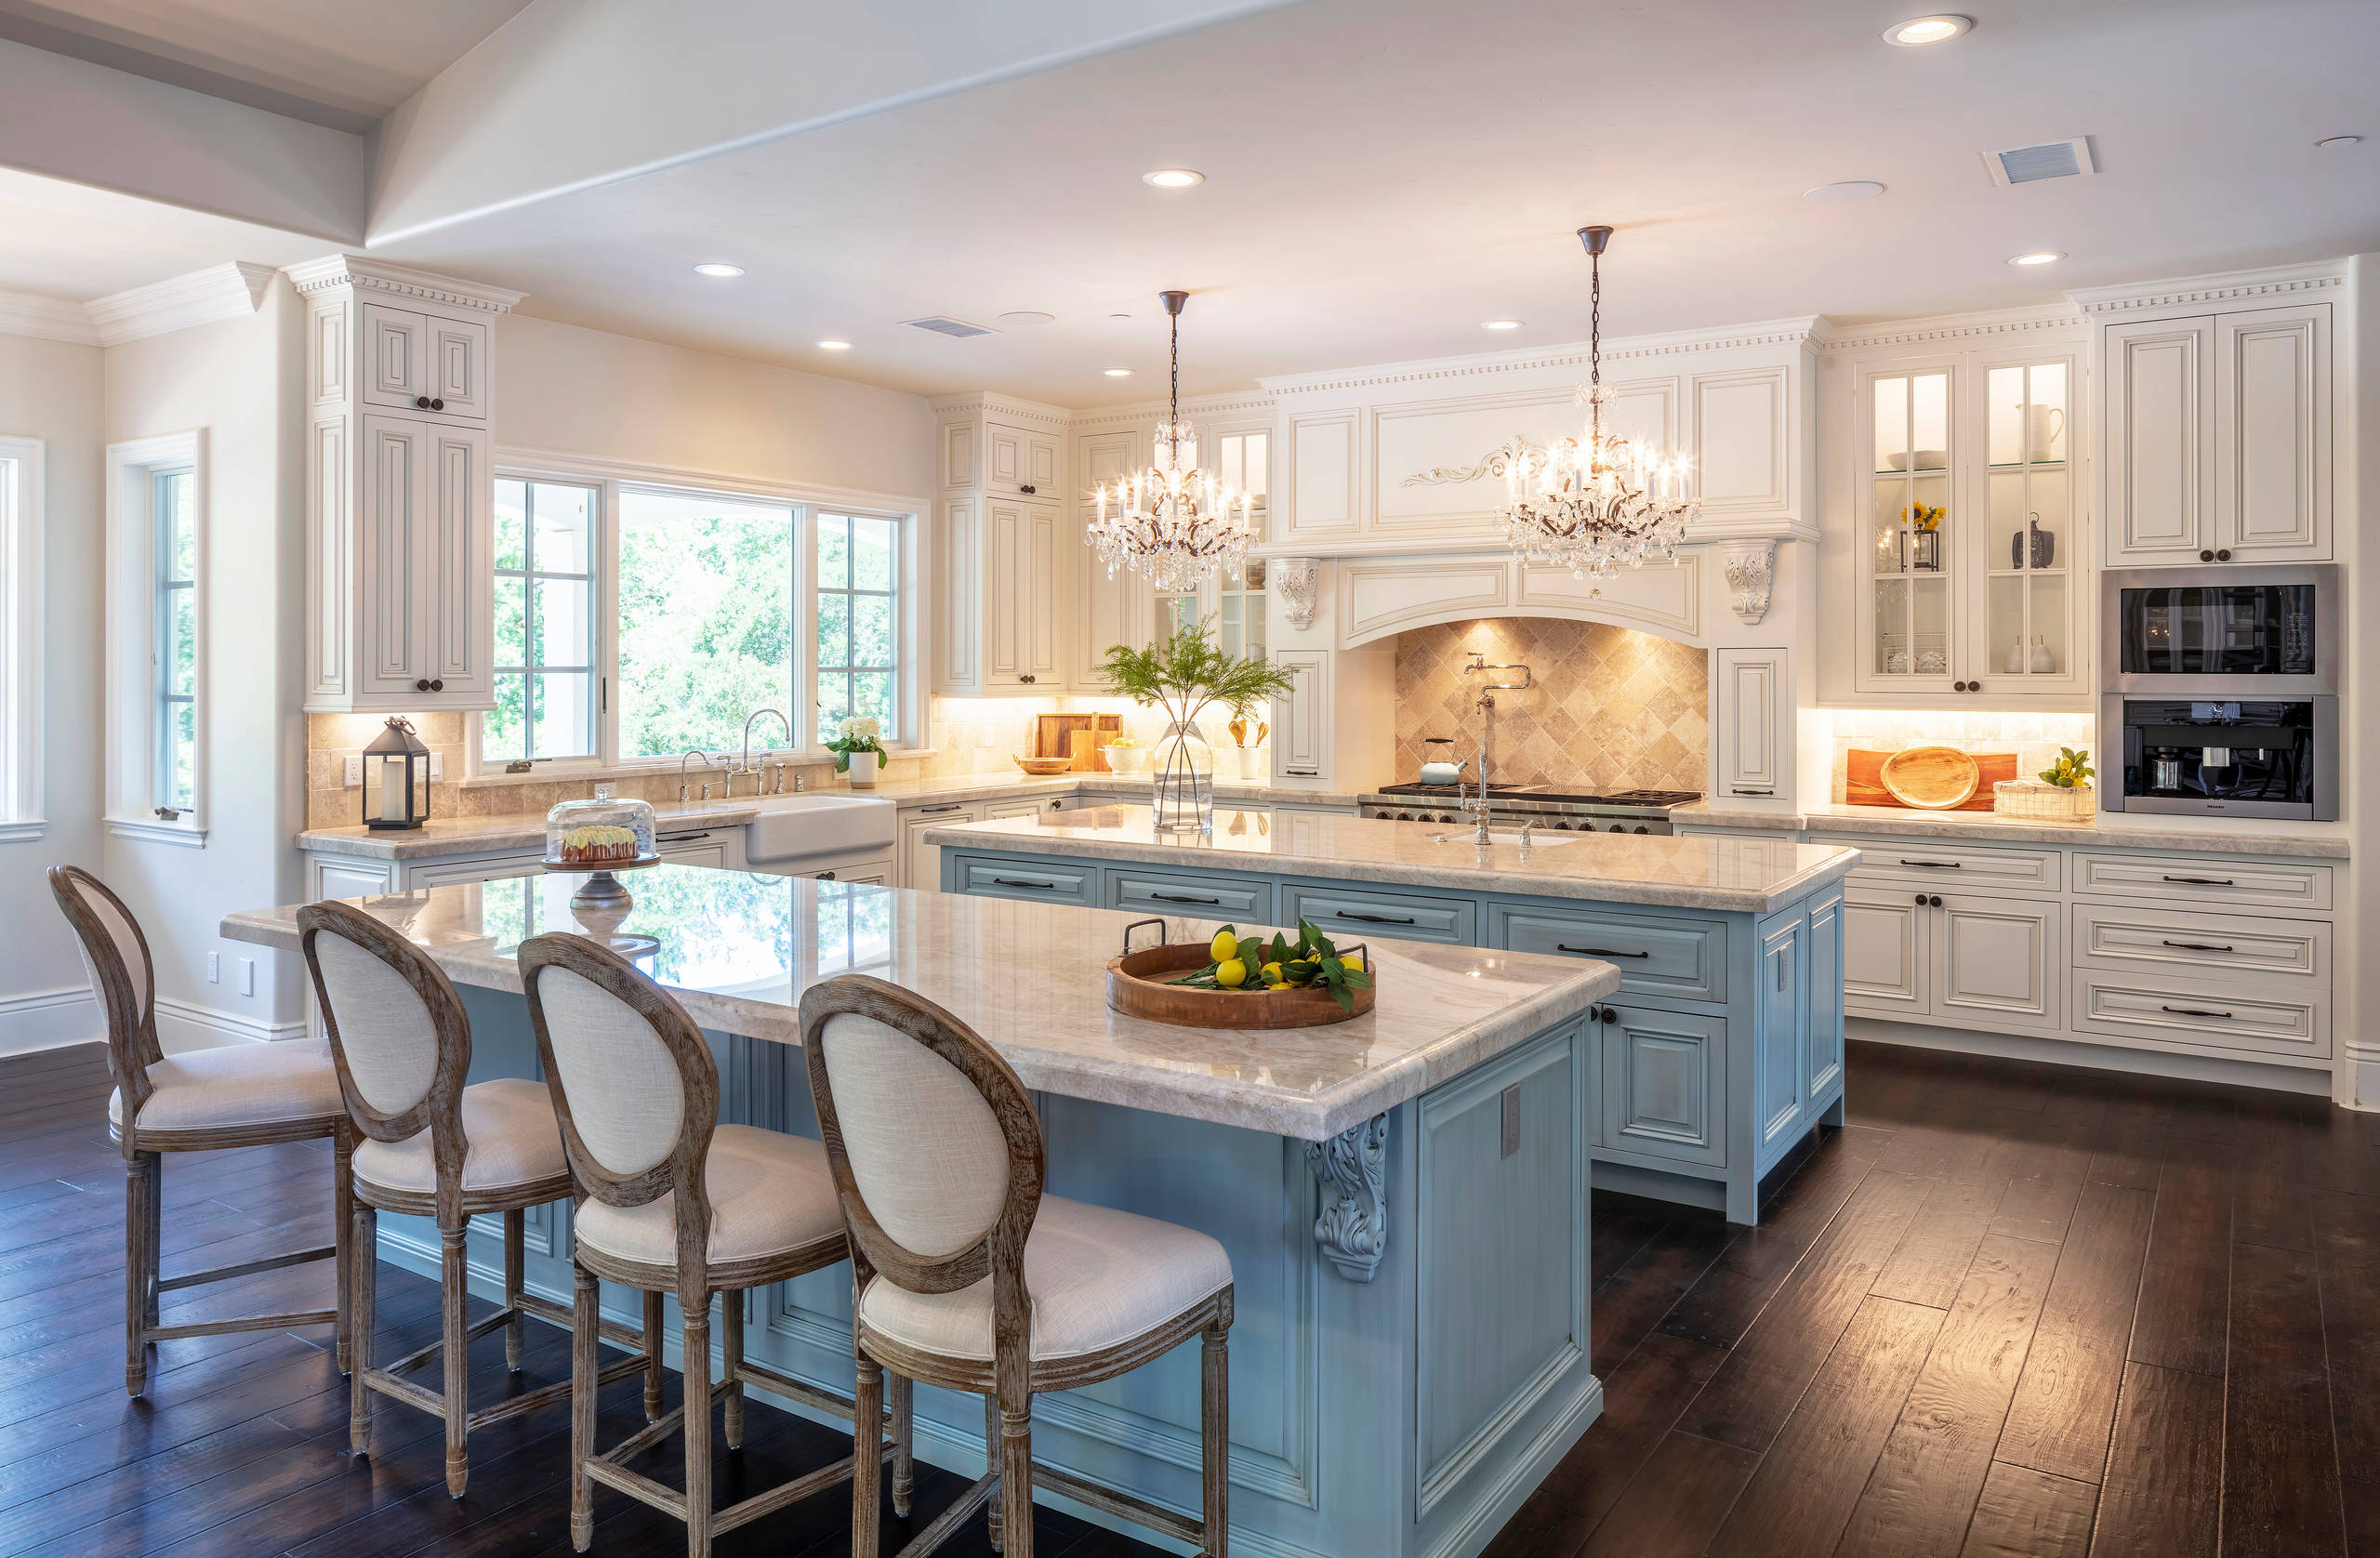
point(2186, 1278)
point(1934, 1255)
point(2024, 1513)
point(1722, 1306)
point(1934, 1464)
point(1638, 1295)
point(2064, 1403)
point(1804, 1492)
point(2361, 1499)
point(1754, 1390)
point(2280, 1493)
point(2348, 1244)
point(2130, 1150)
point(1674, 1505)
point(1621, 1227)
point(2164, 1482)
point(2037, 1208)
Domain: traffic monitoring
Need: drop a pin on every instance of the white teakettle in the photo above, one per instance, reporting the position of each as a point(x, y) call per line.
point(1438, 771)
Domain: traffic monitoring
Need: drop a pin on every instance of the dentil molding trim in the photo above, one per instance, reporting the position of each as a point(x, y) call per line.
point(333, 271)
point(1007, 407)
point(1195, 409)
point(2223, 287)
point(1750, 568)
point(1950, 327)
point(231, 290)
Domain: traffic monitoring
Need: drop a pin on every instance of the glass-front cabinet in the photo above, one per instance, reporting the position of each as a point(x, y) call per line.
point(1967, 526)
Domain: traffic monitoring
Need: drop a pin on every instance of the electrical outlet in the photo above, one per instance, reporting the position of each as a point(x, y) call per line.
point(247, 976)
point(354, 770)
point(213, 968)
point(438, 765)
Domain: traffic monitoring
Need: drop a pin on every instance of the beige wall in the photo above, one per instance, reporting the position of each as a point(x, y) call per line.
point(1610, 707)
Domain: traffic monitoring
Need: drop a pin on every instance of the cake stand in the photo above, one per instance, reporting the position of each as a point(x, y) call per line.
point(604, 901)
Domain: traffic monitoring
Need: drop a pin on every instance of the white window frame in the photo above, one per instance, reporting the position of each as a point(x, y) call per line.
point(23, 516)
point(611, 478)
point(598, 592)
point(132, 638)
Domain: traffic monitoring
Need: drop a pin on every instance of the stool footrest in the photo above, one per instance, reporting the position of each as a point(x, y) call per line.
point(975, 1498)
point(636, 1484)
point(1139, 1511)
point(245, 1268)
point(244, 1323)
point(814, 1396)
point(780, 1495)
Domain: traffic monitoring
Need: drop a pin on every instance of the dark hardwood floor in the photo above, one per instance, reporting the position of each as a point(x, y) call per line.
point(2007, 1310)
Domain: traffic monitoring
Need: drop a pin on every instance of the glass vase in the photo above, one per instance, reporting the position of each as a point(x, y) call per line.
point(1184, 768)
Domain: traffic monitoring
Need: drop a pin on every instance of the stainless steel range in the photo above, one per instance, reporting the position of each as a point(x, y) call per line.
point(1549, 806)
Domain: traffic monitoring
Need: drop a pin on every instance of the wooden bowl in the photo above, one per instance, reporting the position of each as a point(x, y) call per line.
point(1045, 765)
point(1136, 987)
point(1930, 778)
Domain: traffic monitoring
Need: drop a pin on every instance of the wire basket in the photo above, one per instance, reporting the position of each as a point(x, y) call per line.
point(2033, 801)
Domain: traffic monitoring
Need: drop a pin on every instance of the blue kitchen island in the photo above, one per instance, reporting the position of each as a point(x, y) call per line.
point(1404, 1197)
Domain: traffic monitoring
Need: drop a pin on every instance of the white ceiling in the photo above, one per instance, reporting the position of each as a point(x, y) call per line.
point(70, 241)
point(344, 63)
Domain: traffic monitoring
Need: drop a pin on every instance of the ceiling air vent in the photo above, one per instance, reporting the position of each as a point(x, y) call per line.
point(2051, 159)
point(943, 324)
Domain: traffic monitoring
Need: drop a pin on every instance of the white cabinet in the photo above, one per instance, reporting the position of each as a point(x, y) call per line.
point(1885, 954)
point(1302, 718)
point(1021, 461)
point(2218, 438)
point(1109, 610)
point(423, 580)
point(422, 362)
point(920, 864)
point(1994, 961)
point(1753, 756)
point(1021, 596)
point(1005, 586)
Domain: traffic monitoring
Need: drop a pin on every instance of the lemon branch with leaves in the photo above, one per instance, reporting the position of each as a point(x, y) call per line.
point(1311, 961)
point(2073, 766)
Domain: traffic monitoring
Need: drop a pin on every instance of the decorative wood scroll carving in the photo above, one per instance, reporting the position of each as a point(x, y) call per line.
point(1498, 461)
point(1294, 578)
point(1352, 1168)
point(1751, 568)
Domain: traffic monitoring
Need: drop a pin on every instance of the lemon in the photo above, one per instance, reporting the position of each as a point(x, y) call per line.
point(1270, 974)
point(1353, 960)
point(1231, 973)
point(1225, 946)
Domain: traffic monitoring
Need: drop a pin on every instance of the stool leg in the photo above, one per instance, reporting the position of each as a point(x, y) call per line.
point(731, 1336)
point(363, 1253)
point(1016, 1474)
point(653, 1357)
point(694, 1375)
point(868, 1459)
point(586, 1325)
point(136, 1274)
point(342, 1228)
point(454, 1272)
point(905, 1469)
point(516, 1332)
point(155, 1203)
point(992, 1511)
point(1214, 1435)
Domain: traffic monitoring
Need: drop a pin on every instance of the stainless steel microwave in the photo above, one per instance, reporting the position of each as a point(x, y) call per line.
point(2241, 630)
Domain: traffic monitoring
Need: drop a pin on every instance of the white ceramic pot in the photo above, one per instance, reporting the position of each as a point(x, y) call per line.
point(863, 769)
point(1251, 763)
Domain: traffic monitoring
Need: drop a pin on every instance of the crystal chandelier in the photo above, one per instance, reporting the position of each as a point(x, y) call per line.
point(1595, 504)
point(1171, 522)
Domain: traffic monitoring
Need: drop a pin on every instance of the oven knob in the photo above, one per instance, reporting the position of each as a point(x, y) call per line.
point(1405, 816)
point(1619, 828)
point(1563, 827)
point(1641, 828)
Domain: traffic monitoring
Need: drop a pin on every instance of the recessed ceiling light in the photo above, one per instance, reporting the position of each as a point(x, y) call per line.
point(1503, 324)
point(834, 346)
point(2337, 143)
point(718, 271)
point(1838, 195)
point(1917, 31)
point(1173, 178)
point(1117, 373)
point(1026, 316)
point(2039, 257)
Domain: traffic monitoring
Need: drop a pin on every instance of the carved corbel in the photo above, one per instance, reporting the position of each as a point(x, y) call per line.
point(1294, 578)
point(1751, 569)
point(1352, 1168)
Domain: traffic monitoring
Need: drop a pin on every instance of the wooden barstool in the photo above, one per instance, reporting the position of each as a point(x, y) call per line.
point(671, 1199)
point(965, 1275)
point(435, 1147)
point(240, 1095)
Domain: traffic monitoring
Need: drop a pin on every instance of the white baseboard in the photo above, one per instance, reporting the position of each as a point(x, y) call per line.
point(48, 1019)
point(188, 1025)
point(2093, 1057)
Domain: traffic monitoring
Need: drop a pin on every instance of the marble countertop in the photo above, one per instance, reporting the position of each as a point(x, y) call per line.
point(2244, 836)
point(1750, 876)
point(497, 834)
point(738, 950)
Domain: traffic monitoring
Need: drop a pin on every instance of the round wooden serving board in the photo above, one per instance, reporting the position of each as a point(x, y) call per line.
point(1136, 987)
point(1930, 778)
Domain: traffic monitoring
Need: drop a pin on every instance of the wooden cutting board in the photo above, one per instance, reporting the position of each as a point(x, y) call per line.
point(1863, 782)
point(1929, 778)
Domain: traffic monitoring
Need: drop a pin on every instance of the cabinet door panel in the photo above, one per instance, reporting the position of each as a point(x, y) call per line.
point(2160, 441)
point(1665, 1085)
point(1884, 954)
point(1299, 730)
point(2272, 446)
point(1109, 610)
point(1996, 957)
point(1825, 1058)
point(1004, 467)
point(1780, 1032)
point(1041, 465)
point(1042, 606)
point(921, 861)
point(459, 561)
point(391, 591)
point(1750, 758)
point(395, 344)
point(457, 362)
point(1007, 549)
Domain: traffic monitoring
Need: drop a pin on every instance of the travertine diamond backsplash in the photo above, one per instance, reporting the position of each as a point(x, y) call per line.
point(1611, 707)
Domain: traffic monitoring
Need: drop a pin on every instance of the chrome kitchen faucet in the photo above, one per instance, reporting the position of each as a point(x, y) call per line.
point(1488, 691)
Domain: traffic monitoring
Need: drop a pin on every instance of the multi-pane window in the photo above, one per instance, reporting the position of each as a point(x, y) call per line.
point(707, 619)
point(174, 505)
point(858, 612)
point(545, 623)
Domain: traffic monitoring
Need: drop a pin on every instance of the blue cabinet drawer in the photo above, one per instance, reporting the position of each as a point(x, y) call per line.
point(1200, 897)
point(1665, 1085)
point(1344, 912)
point(1684, 958)
point(1038, 881)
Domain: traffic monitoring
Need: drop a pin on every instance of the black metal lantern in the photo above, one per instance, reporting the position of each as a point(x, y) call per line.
point(396, 777)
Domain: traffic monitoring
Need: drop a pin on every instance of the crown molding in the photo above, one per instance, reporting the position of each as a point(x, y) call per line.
point(356, 274)
point(991, 402)
point(1235, 403)
point(2224, 286)
point(47, 319)
point(1948, 327)
point(231, 290)
point(1807, 331)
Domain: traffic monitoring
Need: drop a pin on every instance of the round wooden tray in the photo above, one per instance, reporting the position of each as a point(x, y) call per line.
point(1136, 987)
point(1930, 778)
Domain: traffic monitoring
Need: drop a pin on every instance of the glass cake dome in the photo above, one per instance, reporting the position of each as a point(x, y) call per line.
point(598, 834)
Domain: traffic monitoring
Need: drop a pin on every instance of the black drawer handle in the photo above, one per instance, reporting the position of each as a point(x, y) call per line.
point(1036, 887)
point(1375, 919)
point(1183, 898)
point(2191, 1011)
point(682, 837)
point(926, 810)
point(1934, 864)
point(1598, 951)
point(1751, 792)
point(826, 875)
point(2199, 947)
point(2204, 882)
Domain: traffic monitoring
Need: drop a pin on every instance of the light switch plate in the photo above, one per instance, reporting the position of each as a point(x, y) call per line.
point(247, 976)
point(1512, 1121)
point(213, 968)
point(354, 770)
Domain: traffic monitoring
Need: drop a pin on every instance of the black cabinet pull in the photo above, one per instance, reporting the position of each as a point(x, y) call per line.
point(1934, 901)
point(1183, 898)
point(1751, 792)
point(2202, 882)
point(1606, 1014)
point(1975, 686)
point(421, 685)
point(1036, 887)
point(421, 403)
point(826, 875)
point(1024, 486)
point(1374, 919)
point(2222, 554)
point(2193, 1012)
point(1598, 951)
point(1958, 687)
point(926, 810)
point(2207, 556)
point(436, 685)
point(1920, 900)
point(2198, 946)
point(1934, 864)
point(437, 405)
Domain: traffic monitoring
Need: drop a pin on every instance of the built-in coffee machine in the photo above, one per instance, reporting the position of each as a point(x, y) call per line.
point(2226, 756)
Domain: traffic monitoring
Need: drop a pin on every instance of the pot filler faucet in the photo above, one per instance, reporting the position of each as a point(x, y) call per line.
point(1488, 688)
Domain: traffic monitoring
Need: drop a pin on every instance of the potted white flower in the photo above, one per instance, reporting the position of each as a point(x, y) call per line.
point(858, 752)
